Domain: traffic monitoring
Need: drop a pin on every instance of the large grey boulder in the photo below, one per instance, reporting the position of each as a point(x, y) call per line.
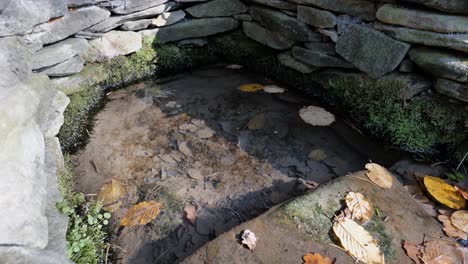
point(217, 8)
point(194, 28)
point(441, 63)
point(68, 67)
point(16, 61)
point(318, 58)
point(266, 37)
point(20, 16)
point(59, 52)
point(288, 60)
point(370, 50)
point(422, 19)
point(316, 17)
point(280, 4)
point(454, 6)
point(132, 6)
point(429, 38)
point(113, 44)
point(282, 24)
point(168, 18)
point(358, 8)
point(72, 23)
point(116, 21)
point(452, 89)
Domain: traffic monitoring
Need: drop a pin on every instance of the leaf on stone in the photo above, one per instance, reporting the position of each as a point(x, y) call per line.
point(316, 258)
point(252, 87)
point(462, 191)
point(273, 89)
point(357, 241)
point(110, 195)
point(413, 251)
point(360, 207)
point(460, 220)
point(257, 122)
point(421, 199)
point(443, 192)
point(249, 239)
point(141, 214)
point(441, 252)
point(191, 213)
point(449, 229)
point(379, 175)
point(316, 116)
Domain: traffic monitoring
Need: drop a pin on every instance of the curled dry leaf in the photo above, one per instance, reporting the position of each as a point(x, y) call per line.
point(273, 89)
point(379, 175)
point(249, 239)
point(462, 191)
point(316, 258)
point(252, 87)
point(110, 195)
point(191, 213)
point(359, 206)
point(460, 220)
point(443, 192)
point(449, 229)
point(316, 116)
point(357, 241)
point(141, 214)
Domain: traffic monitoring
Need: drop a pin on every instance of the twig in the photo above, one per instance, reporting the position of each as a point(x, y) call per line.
point(160, 255)
point(117, 247)
point(461, 162)
point(232, 209)
point(107, 253)
point(438, 238)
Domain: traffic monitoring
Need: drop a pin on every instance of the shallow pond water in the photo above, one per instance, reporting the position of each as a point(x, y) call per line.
point(198, 143)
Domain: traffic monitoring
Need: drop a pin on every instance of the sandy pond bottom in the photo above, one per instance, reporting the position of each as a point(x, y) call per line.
point(197, 142)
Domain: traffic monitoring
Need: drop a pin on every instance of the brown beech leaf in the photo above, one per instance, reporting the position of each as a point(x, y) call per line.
point(460, 220)
point(191, 213)
point(110, 195)
point(413, 251)
point(379, 175)
point(441, 252)
point(316, 258)
point(141, 214)
point(462, 191)
point(449, 229)
point(360, 207)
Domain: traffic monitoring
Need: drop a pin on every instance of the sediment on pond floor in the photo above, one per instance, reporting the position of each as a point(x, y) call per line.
point(199, 143)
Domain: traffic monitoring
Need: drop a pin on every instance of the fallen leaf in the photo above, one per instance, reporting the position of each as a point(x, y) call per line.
point(460, 220)
point(184, 148)
point(257, 122)
point(195, 174)
point(440, 252)
point(330, 33)
point(316, 116)
point(167, 158)
point(316, 258)
point(359, 206)
point(141, 214)
point(443, 192)
point(234, 67)
point(205, 133)
point(191, 213)
point(421, 199)
point(379, 175)
point(249, 239)
point(413, 251)
point(449, 229)
point(273, 89)
point(462, 191)
point(357, 241)
point(253, 87)
point(317, 154)
point(110, 195)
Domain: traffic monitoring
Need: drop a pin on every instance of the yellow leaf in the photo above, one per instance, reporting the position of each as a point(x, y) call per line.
point(443, 192)
point(379, 175)
point(111, 194)
point(316, 258)
point(252, 87)
point(357, 241)
point(460, 220)
point(141, 214)
point(316, 116)
point(359, 206)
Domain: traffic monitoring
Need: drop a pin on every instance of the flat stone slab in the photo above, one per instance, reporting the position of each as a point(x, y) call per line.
point(428, 38)
point(358, 8)
point(68, 67)
point(454, 6)
point(113, 44)
point(194, 28)
point(452, 89)
point(132, 6)
point(59, 52)
point(288, 60)
point(318, 58)
point(217, 8)
point(266, 37)
point(441, 63)
point(168, 18)
point(422, 19)
point(290, 230)
point(370, 50)
point(316, 17)
point(280, 4)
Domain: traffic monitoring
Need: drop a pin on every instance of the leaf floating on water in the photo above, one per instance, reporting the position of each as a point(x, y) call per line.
point(460, 220)
point(316, 116)
point(252, 87)
point(273, 89)
point(249, 239)
point(379, 175)
point(357, 241)
point(110, 195)
point(316, 258)
point(359, 206)
point(141, 214)
point(443, 192)
point(257, 122)
point(449, 229)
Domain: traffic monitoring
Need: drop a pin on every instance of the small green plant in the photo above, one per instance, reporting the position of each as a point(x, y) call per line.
point(85, 235)
point(457, 175)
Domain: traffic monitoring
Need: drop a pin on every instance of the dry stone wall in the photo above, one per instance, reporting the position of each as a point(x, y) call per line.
point(54, 39)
